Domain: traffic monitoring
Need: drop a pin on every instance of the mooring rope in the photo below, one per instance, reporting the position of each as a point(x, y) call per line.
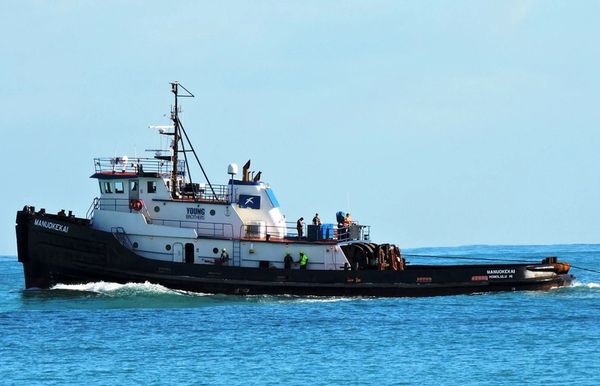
point(585, 269)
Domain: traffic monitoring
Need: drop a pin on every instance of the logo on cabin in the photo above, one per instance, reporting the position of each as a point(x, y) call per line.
point(247, 201)
point(195, 213)
point(51, 225)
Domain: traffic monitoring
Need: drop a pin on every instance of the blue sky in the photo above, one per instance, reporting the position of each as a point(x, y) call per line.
point(438, 123)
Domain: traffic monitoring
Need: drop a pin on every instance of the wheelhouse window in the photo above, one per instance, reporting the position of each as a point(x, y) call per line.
point(133, 185)
point(107, 188)
point(119, 187)
point(151, 186)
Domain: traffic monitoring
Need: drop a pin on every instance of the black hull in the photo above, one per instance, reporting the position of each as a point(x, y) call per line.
point(51, 255)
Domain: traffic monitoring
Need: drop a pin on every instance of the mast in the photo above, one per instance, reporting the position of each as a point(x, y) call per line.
point(176, 138)
point(179, 133)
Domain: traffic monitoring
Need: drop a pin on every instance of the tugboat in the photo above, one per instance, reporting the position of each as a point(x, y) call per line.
point(153, 223)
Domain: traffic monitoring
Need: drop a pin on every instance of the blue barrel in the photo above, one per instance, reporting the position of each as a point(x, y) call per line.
point(327, 231)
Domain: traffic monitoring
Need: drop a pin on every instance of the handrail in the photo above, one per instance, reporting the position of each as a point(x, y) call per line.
point(136, 165)
point(92, 208)
point(256, 231)
point(205, 228)
point(218, 193)
point(355, 232)
point(118, 204)
point(120, 234)
point(261, 231)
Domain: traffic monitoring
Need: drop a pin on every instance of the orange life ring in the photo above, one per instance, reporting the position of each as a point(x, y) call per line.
point(136, 205)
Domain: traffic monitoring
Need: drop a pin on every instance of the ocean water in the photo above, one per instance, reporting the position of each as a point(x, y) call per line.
point(106, 333)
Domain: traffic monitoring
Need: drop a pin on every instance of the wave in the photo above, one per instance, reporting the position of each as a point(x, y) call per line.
point(129, 289)
point(300, 298)
point(150, 290)
point(586, 285)
point(330, 299)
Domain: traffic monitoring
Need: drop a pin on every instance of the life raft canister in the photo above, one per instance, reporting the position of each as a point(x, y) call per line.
point(136, 205)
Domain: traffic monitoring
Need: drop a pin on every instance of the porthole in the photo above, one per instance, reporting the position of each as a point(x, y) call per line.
point(168, 247)
point(212, 212)
point(135, 244)
point(157, 208)
point(215, 250)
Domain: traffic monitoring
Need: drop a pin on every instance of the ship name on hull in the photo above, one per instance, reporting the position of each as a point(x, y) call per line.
point(51, 225)
point(501, 273)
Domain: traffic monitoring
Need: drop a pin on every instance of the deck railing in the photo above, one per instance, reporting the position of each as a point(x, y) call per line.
point(354, 232)
point(210, 229)
point(136, 165)
point(203, 192)
point(114, 204)
point(93, 206)
point(257, 230)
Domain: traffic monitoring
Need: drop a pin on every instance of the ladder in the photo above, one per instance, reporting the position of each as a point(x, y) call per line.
point(237, 253)
point(122, 237)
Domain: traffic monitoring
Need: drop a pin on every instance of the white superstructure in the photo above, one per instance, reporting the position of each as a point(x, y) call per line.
point(243, 217)
point(153, 208)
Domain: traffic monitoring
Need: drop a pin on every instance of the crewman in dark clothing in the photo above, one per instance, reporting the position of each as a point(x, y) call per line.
point(300, 227)
point(288, 261)
point(316, 219)
point(224, 259)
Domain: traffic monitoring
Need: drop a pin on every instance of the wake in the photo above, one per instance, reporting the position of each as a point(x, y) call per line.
point(585, 285)
point(129, 289)
point(148, 289)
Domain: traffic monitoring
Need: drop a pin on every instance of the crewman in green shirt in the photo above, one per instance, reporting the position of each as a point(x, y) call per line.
point(303, 260)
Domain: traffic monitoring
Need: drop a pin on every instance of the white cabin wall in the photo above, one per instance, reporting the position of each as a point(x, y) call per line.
point(164, 226)
point(161, 189)
point(206, 251)
point(268, 216)
point(212, 220)
point(320, 256)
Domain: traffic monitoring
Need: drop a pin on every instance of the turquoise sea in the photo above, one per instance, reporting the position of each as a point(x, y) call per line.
point(106, 333)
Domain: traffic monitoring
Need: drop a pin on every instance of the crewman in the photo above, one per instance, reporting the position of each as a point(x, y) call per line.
point(300, 227)
point(288, 261)
point(347, 220)
point(346, 227)
point(316, 220)
point(224, 259)
point(303, 260)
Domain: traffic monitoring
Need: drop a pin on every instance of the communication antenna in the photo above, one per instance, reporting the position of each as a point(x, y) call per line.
point(232, 170)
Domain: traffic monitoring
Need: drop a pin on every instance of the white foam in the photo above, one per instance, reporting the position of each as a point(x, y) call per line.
point(586, 285)
point(108, 288)
point(303, 299)
point(323, 300)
